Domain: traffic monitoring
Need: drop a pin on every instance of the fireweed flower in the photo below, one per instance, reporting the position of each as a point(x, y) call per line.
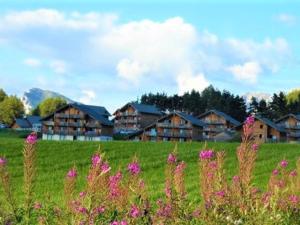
point(134, 168)
point(2, 161)
point(82, 194)
point(206, 154)
point(255, 147)
point(96, 159)
point(72, 173)
point(99, 210)
point(31, 138)
point(172, 158)
point(284, 163)
point(123, 222)
point(275, 172)
point(294, 199)
point(250, 120)
point(114, 183)
point(293, 173)
point(220, 194)
point(105, 167)
point(212, 164)
point(236, 178)
point(134, 211)
point(37, 205)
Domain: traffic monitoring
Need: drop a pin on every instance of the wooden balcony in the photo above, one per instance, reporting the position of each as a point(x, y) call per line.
point(62, 115)
point(48, 123)
point(71, 124)
point(214, 129)
point(93, 125)
point(174, 125)
point(175, 134)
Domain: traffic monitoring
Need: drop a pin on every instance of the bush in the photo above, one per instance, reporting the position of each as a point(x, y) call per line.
point(121, 198)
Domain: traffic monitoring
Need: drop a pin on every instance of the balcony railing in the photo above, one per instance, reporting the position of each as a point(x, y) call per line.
point(214, 129)
point(214, 122)
point(48, 123)
point(128, 114)
point(174, 134)
point(93, 125)
point(71, 124)
point(62, 115)
point(77, 116)
point(174, 125)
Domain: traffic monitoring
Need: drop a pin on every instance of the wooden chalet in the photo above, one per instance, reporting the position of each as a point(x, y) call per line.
point(291, 123)
point(133, 117)
point(77, 121)
point(218, 125)
point(30, 123)
point(176, 126)
point(264, 130)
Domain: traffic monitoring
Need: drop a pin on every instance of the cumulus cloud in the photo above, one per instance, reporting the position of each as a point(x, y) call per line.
point(32, 62)
point(169, 51)
point(87, 96)
point(246, 72)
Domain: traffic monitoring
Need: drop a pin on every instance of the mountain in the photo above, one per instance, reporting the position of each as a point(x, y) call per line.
point(258, 95)
point(34, 96)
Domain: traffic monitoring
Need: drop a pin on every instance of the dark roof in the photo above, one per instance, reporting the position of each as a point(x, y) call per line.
point(95, 112)
point(269, 123)
point(23, 123)
point(219, 113)
point(34, 119)
point(195, 121)
point(143, 108)
point(296, 116)
point(98, 113)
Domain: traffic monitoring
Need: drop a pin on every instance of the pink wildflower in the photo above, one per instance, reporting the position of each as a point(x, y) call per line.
point(2, 161)
point(82, 194)
point(114, 223)
point(134, 168)
point(82, 210)
point(236, 178)
point(37, 205)
point(250, 120)
point(206, 154)
point(294, 199)
point(180, 167)
point(134, 212)
point(275, 172)
point(196, 213)
point(31, 138)
point(96, 159)
point(255, 147)
point(99, 210)
point(172, 158)
point(72, 173)
point(123, 222)
point(105, 167)
point(293, 173)
point(284, 163)
point(212, 164)
point(114, 184)
point(220, 194)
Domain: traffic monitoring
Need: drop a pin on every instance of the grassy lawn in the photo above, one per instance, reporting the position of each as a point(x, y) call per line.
point(55, 158)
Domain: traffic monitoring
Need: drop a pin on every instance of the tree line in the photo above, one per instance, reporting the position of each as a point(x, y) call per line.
point(193, 102)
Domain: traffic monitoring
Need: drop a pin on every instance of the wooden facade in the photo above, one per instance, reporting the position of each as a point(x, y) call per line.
point(176, 126)
point(216, 123)
point(291, 123)
point(134, 117)
point(78, 122)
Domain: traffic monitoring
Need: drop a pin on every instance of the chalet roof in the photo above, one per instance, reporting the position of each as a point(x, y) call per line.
point(296, 116)
point(270, 123)
point(222, 114)
point(34, 119)
point(23, 123)
point(98, 113)
point(193, 120)
point(143, 108)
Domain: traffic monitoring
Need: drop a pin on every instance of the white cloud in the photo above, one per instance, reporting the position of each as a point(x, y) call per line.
point(248, 72)
point(286, 18)
point(87, 96)
point(32, 62)
point(58, 66)
point(139, 51)
point(188, 81)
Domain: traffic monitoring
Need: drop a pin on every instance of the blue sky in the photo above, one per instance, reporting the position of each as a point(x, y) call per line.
point(110, 52)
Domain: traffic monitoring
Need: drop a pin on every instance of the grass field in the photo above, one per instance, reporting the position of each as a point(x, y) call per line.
point(55, 158)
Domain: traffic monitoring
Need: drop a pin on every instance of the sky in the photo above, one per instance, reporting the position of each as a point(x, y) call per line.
point(111, 52)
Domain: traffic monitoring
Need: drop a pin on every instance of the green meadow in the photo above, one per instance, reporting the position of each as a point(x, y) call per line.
point(55, 158)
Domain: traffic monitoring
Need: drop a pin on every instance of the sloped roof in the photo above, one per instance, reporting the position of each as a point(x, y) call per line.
point(23, 123)
point(195, 121)
point(143, 108)
point(96, 112)
point(34, 119)
point(270, 123)
point(296, 116)
point(222, 114)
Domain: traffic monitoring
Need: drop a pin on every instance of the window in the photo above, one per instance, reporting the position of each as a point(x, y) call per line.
point(260, 136)
point(261, 126)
